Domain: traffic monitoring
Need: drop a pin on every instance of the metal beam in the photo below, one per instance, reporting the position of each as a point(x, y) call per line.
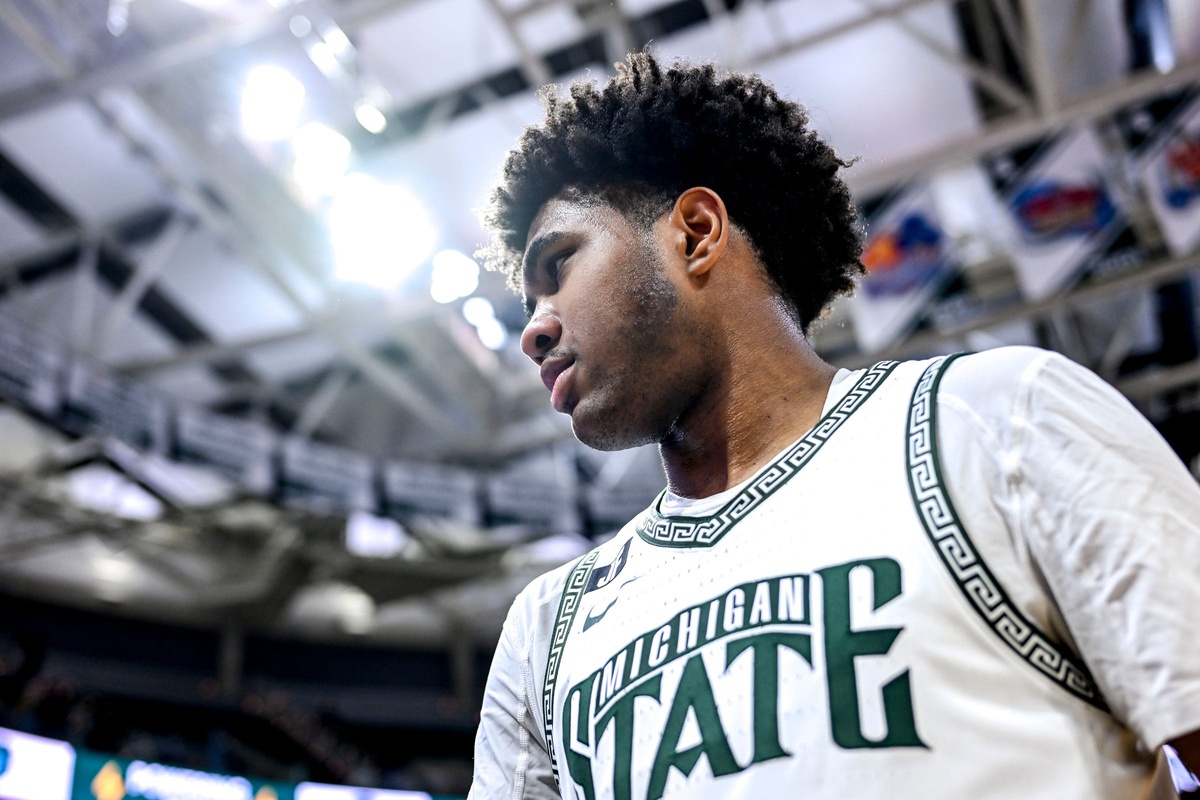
point(32, 37)
point(1024, 128)
point(841, 29)
point(997, 85)
point(1160, 381)
point(153, 64)
point(536, 71)
point(1037, 59)
point(408, 311)
point(145, 273)
point(1146, 276)
point(322, 400)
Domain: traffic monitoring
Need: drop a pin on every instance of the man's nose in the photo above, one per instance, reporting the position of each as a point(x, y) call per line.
point(540, 335)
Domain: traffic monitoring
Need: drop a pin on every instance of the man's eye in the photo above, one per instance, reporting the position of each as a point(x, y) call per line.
point(555, 265)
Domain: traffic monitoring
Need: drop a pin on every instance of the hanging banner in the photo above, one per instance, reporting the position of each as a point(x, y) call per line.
point(102, 403)
point(325, 478)
point(411, 489)
point(322, 791)
point(103, 777)
point(1163, 137)
point(33, 768)
point(908, 264)
point(30, 370)
point(241, 450)
point(1065, 218)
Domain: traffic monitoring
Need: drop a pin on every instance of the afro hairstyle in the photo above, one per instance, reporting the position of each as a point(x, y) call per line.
point(651, 133)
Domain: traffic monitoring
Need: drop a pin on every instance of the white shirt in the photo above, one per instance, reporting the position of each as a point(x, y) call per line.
point(1101, 543)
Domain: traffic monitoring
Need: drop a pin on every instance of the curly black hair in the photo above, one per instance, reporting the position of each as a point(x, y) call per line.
point(649, 134)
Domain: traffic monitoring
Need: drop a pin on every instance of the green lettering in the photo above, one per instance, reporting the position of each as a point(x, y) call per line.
point(579, 765)
point(694, 693)
point(766, 685)
point(843, 645)
point(621, 715)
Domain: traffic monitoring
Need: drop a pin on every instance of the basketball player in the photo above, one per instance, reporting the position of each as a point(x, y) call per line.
point(967, 577)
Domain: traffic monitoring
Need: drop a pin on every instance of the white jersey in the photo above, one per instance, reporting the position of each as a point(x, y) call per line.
point(838, 627)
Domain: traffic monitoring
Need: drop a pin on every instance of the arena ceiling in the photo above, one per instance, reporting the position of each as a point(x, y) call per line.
point(145, 231)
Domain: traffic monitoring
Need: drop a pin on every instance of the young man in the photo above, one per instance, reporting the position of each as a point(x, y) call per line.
point(964, 577)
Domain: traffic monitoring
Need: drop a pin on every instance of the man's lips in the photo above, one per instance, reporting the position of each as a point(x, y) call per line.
point(552, 376)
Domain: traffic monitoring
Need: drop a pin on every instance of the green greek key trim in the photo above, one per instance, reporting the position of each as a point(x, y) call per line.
point(949, 538)
point(663, 531)
point(567, 608)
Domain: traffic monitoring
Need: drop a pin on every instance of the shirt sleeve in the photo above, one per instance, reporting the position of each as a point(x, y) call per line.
point(1105, 516)
point(511, 760)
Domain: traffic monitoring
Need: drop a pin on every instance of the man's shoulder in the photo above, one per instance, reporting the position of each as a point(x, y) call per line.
point(995, 376)
point(546, 590)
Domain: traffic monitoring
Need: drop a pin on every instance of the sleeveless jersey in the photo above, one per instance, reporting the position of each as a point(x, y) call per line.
point(831, 631)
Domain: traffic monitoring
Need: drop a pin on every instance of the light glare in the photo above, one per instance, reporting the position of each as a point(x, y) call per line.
point(271, 104)
point(370, 117)
point(478, 310)
point(380, 233)
point(492, 334)
point(300, 26)
point(321, 54)
point(454, 275)
point(322, 156)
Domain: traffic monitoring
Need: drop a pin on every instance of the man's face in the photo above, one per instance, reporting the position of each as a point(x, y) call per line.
point(618, 346)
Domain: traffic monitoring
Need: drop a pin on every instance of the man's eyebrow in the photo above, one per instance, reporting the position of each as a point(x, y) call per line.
point(534, 252)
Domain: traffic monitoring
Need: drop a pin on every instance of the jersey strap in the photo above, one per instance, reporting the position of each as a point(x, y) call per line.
point(567, 608)
point(962, 560)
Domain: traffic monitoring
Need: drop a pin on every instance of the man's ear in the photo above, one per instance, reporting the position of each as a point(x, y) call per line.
point(700, 219)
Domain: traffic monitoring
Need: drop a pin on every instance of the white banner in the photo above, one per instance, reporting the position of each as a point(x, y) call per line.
point(322, 791)
point(908, 263)
point(1170, 173)
point(1062, 210)
point(33, 768)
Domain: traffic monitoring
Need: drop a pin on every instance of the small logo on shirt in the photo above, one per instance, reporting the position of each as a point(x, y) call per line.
point(603, 576)
point(592, 619)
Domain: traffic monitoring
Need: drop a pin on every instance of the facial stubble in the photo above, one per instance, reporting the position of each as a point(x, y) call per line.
point(652, 375)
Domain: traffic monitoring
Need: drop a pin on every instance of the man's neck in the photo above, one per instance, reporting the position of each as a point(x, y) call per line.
point(764, 404)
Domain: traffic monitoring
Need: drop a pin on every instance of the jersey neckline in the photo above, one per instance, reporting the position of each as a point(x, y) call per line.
point(662, 530)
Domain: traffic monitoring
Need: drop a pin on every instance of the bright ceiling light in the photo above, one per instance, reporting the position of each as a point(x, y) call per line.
point(479, 312)
point(336, 38)
point(454, 275)
point(325, 58)
point(492, 334)
point(322, 156)
point(380, 233)
point(271, 104)
point(300, 26)
point(370, 117)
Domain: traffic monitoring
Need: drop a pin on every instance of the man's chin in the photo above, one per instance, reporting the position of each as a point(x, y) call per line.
point(607, 432)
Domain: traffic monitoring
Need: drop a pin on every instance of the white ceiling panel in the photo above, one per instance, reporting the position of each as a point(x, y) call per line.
point(227, 297)
point(549, 28)
point(18, 233)
point(57, 307)
point(18, 66)
point(432, 46)
point(454, 168)
point(733, 40)
point(636, 8)
point(800, 18)
point(83, 164)
point(294, 358)
point(879, 94)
